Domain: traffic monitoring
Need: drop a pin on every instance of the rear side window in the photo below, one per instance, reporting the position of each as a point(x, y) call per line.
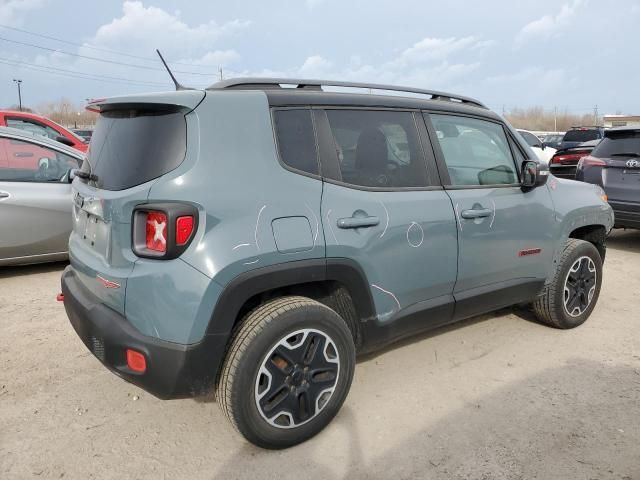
point(378, 148)
point(133, 146)
point(476, 151)
point(296, 140)
point(618, 144)
point(29, 162)
point(581, 135)
point(33, 127)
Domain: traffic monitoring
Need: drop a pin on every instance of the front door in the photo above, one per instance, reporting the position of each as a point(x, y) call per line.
point(505, 233)
point(381, 208)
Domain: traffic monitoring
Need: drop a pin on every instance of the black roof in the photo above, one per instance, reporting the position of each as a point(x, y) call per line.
point(310, 92)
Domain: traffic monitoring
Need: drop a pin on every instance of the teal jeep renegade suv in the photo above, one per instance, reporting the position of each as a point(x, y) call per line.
point(254, 238)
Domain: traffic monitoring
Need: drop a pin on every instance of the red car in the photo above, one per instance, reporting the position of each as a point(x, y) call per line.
point(42, 126)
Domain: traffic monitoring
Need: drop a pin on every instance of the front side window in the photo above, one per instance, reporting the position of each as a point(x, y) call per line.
point(378, 148)
point(296, 140)
point(22, 161)
point(476, 152)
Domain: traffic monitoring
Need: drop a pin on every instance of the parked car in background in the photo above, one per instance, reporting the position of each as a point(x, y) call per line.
point(552, 140)
point(563, 164)
point(577, 135)
point(543, 153)
point(42, 126)
point(85, 133)
point(35, 197)
point(615, 165)
point(432, 209)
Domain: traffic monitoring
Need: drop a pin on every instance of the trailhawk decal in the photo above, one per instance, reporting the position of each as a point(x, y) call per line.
point(529, 251)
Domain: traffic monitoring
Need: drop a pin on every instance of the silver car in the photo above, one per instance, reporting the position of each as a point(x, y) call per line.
point(35, 197)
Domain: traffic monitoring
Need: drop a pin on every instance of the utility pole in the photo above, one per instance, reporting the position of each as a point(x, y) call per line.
point(220, 70)
point(18, 82)
point(595, 115)
point(555, 118)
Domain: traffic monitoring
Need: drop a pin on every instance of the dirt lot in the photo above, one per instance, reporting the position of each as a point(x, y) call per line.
point(499, 396)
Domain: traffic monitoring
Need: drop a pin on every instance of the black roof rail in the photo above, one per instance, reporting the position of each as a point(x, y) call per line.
point(258, 83)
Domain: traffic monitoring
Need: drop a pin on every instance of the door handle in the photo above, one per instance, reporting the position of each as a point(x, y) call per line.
point(476, 213)
point(4, 195)
point(358, 222)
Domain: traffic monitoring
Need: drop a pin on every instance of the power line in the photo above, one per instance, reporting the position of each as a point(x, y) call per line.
point(144, 67)
point(81, 75)
point(91, 47)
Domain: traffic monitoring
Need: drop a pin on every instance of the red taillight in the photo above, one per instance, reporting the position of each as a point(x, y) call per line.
point(184, 228)
point(590, 161)
point(568, 157)
point(156, 236)
point(136, 361)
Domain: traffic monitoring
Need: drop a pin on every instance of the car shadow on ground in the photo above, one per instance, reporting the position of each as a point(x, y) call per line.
point(16, 271)
point(626, 240)
point(577, 420)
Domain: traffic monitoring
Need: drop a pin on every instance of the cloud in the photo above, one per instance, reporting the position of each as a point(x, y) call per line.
point(540, 79)
point(549, 25)
point(439, 48)
point(142, 29)
point(12, 11)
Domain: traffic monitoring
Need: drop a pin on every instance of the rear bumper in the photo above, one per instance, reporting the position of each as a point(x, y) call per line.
point(563, 171)
point(173, 370)
point(624, 216)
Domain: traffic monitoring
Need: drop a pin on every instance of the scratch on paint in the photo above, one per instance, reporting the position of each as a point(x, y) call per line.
point(315, 237)
point(494, 214)
point(255, 234)
point(388, 293)
point(458, 217)
point(331, 228)
point(387, 224)
point(252, 262)
point(241, 245)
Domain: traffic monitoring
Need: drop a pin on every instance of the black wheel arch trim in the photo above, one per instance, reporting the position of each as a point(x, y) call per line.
point(254, 282)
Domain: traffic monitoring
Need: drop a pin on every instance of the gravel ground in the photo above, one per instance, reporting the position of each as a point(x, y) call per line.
point(498, 396)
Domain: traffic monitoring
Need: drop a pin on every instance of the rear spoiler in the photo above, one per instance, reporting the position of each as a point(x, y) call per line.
point(185, 100)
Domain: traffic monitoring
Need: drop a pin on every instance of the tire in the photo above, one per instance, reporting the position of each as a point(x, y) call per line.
point(550, 306)
point(287, 372)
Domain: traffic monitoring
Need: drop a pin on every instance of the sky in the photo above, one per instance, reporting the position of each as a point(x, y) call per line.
point(572, 55)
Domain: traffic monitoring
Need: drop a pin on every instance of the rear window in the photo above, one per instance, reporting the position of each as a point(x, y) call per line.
point(617, 144)
point(581, 135)
point(133, 146)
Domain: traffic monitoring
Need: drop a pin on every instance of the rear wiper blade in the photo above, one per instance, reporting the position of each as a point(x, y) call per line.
point(86, 176)
point(627, 154)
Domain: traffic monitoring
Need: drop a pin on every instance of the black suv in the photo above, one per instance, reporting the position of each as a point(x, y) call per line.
point(615, 165)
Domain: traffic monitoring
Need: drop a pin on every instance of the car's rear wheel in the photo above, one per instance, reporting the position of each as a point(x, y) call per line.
point(287, 373)
point(568, 300)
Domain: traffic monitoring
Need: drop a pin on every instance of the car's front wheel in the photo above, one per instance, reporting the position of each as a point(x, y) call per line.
point(287, 373)
point(571, 295)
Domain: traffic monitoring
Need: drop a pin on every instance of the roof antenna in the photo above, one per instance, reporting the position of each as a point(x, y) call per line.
point(175, 82)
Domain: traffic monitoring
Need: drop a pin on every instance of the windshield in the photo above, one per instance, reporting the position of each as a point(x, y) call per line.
point(618, 143)
point(133, 146)
point(581, 135)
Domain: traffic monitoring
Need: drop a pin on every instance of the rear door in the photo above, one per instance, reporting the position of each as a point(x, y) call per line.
point(505, 244)
point(133, 144)
point(382, 208)
point(35, 199)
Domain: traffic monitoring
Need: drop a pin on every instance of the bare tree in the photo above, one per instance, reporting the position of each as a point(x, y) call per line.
point(539, 119)
point(67, 113)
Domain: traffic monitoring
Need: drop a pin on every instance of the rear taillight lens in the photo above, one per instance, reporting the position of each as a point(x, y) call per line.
point(163, 231)
point(590, 161)
point(568, 157)
point(184, 228)
point(156, 231)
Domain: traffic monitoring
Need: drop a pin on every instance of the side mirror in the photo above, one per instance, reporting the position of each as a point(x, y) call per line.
point(71, 174)
point(64, 141)
point(533, 175)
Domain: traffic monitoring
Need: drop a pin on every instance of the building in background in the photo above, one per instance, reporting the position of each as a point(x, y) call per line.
point(611, 121)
